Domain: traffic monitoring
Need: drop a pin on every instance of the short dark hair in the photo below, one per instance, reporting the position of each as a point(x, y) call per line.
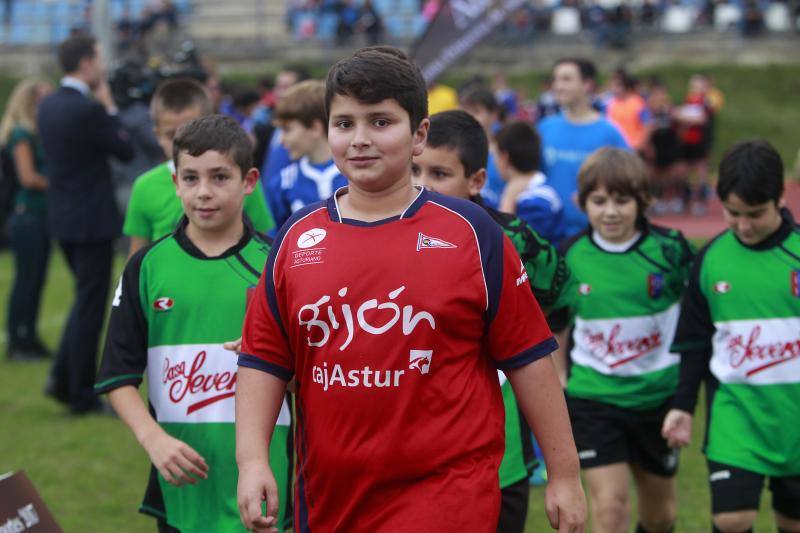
point(619, 171)
point(75, 49)
point(459, 131)
point(522, 144)
point(479, 95)
point(179, 94)
point(219, 133)
point(753, 170)
point(586, 68)
point(377, 73)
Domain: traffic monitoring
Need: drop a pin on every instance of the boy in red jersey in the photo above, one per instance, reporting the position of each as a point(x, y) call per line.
point(384, 303)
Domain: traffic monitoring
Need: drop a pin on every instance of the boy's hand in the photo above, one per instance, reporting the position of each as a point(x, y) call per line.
point(677, 428)
point(565, 505)
point(174, 459)
point(256, 484)
point(233, 346)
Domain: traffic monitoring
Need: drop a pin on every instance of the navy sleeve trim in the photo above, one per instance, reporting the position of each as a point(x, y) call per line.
point(251, 361)
point(543, 349)
point(489, 236)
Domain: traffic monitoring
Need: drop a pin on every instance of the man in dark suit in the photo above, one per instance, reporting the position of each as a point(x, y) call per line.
point(79, 131)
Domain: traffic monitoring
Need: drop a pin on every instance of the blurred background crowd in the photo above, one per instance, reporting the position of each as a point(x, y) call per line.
point(607, 23)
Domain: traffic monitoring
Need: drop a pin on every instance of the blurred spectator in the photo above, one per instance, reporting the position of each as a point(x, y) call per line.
point(752, 18)
point(620, 20)
point(505, 95)
point(648, 15)
point(371, 23)
point(79, 131)
point(695, 118)
point(527, 193)
point(160, 11)
point(663, 153)
point(24, 161)
point(262, 117)
point(595, 20)
point(240, 105)
point(347, 14)
point(627, 109)
point(577, 131)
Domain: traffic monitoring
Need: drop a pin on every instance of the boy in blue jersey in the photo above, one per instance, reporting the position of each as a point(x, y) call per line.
point(569, 137)
point(527, 193)
point(313, 176)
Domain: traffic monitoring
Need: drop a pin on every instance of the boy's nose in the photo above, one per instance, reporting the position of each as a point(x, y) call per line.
point(744, 225)
point(203, 190)
point(360, 137)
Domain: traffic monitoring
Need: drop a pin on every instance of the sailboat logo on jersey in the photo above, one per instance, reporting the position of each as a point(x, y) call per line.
point(796, 283)
point(655, 285)
point(163, 304)
point(424, 241)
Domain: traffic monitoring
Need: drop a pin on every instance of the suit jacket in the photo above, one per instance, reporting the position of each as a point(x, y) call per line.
point(78, 136)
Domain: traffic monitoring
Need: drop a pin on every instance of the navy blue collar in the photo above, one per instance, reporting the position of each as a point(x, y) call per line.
point(410, 211)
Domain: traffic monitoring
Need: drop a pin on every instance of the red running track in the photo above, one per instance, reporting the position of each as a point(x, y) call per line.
point(712, 222)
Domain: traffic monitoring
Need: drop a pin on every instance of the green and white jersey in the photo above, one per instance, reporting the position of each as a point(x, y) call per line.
point(741, 321)
point(625, 317)
point(172, 311)
point(154, 209)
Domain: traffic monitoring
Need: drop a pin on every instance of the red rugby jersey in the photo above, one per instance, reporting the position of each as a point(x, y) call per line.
point(394, 330)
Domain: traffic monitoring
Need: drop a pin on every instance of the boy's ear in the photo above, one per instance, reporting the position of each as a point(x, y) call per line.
point(175, 181)
point(421, 137)
point(781, 203)
point(250, 180)
point(476, 181)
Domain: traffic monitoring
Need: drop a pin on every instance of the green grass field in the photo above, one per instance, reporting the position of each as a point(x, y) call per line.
point(92, 473)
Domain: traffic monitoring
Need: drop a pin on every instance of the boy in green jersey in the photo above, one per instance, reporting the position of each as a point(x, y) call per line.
point(739, 329)
point(454, 163)
point(179, 299)
point(153, 209)
point(622, 377)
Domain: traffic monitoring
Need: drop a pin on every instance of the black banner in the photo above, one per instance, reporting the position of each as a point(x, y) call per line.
point(458, 26)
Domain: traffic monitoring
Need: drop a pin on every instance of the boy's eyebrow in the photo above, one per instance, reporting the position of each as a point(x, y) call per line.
point(373, 114)
point(214, 169)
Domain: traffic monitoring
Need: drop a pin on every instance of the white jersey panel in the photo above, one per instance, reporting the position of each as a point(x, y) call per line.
point(757, 352)
point(629, 346)
point(195, 383)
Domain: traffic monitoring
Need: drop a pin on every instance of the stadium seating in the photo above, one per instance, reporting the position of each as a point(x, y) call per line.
point(679, 19)
point(727, 16)
point(566, 21)
point(777, 17)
